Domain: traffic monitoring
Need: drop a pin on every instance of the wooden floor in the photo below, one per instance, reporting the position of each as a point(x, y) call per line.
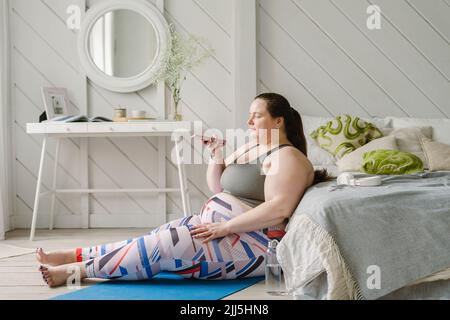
point(20, 279)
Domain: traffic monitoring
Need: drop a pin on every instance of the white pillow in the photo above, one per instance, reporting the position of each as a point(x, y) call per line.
point(319, 156)
point(410, 140)
point(311, 123)
point(352, 162)
point(441, 127)
point(438, 154)
point(379, 122)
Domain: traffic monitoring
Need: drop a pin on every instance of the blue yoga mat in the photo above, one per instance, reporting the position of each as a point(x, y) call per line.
point(164, 286)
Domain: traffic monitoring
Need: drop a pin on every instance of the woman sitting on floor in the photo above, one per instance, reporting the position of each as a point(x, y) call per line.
point(252, 203)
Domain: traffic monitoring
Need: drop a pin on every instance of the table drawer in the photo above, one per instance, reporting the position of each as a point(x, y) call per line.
point(66, 128)
point(137, 127)
point(169, 126)
point(103, 127)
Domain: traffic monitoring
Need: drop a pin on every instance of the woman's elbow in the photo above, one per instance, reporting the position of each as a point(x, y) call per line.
point(215, 188)
point(284, 208)
point(286, 213)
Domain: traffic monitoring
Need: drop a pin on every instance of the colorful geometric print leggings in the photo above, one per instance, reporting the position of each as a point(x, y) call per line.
point(171, 248)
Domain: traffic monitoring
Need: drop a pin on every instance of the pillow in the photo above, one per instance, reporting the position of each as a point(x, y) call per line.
point(311, 123)
point(345, 134)
point(391, 162)
point(379, 122)
point(438, 154)
point(441, 127)
point(320, 157)
point(410, 140)
point(317, 155)
point(353, 161)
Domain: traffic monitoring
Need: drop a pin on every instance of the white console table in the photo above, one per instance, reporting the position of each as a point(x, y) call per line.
point(161, 129)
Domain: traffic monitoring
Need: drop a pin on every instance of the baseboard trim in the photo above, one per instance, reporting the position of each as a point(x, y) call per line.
point(95, 221)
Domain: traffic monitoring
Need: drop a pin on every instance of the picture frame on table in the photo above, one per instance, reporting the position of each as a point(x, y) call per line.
point(56, 101)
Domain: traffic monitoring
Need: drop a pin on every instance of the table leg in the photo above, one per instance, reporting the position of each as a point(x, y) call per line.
point(84, 182)
point(55, 170)
point(182, 177)
point(38, 189)
point(162, 170)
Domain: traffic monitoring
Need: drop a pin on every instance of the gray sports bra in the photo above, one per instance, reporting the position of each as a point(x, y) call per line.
point(246, 181)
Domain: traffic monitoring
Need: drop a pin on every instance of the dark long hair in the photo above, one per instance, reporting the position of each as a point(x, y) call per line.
point(278, 106)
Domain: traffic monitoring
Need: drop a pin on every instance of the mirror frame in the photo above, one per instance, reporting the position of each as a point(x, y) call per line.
point(145, 78)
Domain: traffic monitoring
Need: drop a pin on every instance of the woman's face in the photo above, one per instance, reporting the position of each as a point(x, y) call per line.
point(261, 123)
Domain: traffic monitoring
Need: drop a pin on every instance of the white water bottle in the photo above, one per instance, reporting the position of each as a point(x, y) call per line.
point(274, 282)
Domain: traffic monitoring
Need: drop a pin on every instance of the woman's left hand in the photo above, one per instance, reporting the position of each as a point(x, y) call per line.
point(210, 231)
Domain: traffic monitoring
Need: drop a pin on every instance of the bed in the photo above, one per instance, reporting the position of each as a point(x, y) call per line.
point(385, 242)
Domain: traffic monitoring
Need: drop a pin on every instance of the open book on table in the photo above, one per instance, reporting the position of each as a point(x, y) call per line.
point(79, 118)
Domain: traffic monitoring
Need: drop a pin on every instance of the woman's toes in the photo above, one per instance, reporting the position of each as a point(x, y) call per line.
point(53, 258)
point(40, 255)
point(45, 278)
point(47, 275)
point(54, 276)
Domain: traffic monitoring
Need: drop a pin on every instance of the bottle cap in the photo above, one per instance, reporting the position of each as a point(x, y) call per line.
point(273, 243)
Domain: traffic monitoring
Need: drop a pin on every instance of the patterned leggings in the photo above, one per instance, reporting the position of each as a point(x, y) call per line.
point(171, 248)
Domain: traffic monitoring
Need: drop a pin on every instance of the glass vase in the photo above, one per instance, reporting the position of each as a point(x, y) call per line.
point(175, 115)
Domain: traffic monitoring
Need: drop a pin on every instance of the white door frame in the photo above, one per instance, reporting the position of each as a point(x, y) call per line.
point(6, 202)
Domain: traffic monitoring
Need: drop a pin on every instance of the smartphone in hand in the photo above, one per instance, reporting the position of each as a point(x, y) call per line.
point(206, 140)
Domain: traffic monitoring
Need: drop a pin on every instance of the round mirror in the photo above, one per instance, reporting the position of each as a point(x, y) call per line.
point(122, 43)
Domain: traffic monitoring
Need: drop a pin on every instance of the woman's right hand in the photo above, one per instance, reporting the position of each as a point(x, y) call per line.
point(214, 146)
point(216, 164)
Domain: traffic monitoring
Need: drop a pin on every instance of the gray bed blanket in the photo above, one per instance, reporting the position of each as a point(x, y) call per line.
point(401, 227)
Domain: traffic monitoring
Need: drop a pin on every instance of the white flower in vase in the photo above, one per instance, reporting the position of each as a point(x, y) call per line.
point(185, 54)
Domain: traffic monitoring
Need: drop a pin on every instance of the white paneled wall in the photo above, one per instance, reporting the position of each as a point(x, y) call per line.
point(318, 53)
point(322, 56)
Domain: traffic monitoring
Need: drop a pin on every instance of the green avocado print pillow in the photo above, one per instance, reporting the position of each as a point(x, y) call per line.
point(345, 134)
point(383, 161)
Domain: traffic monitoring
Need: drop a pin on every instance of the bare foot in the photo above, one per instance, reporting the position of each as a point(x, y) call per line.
point(55, 258)
point(58, 275)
